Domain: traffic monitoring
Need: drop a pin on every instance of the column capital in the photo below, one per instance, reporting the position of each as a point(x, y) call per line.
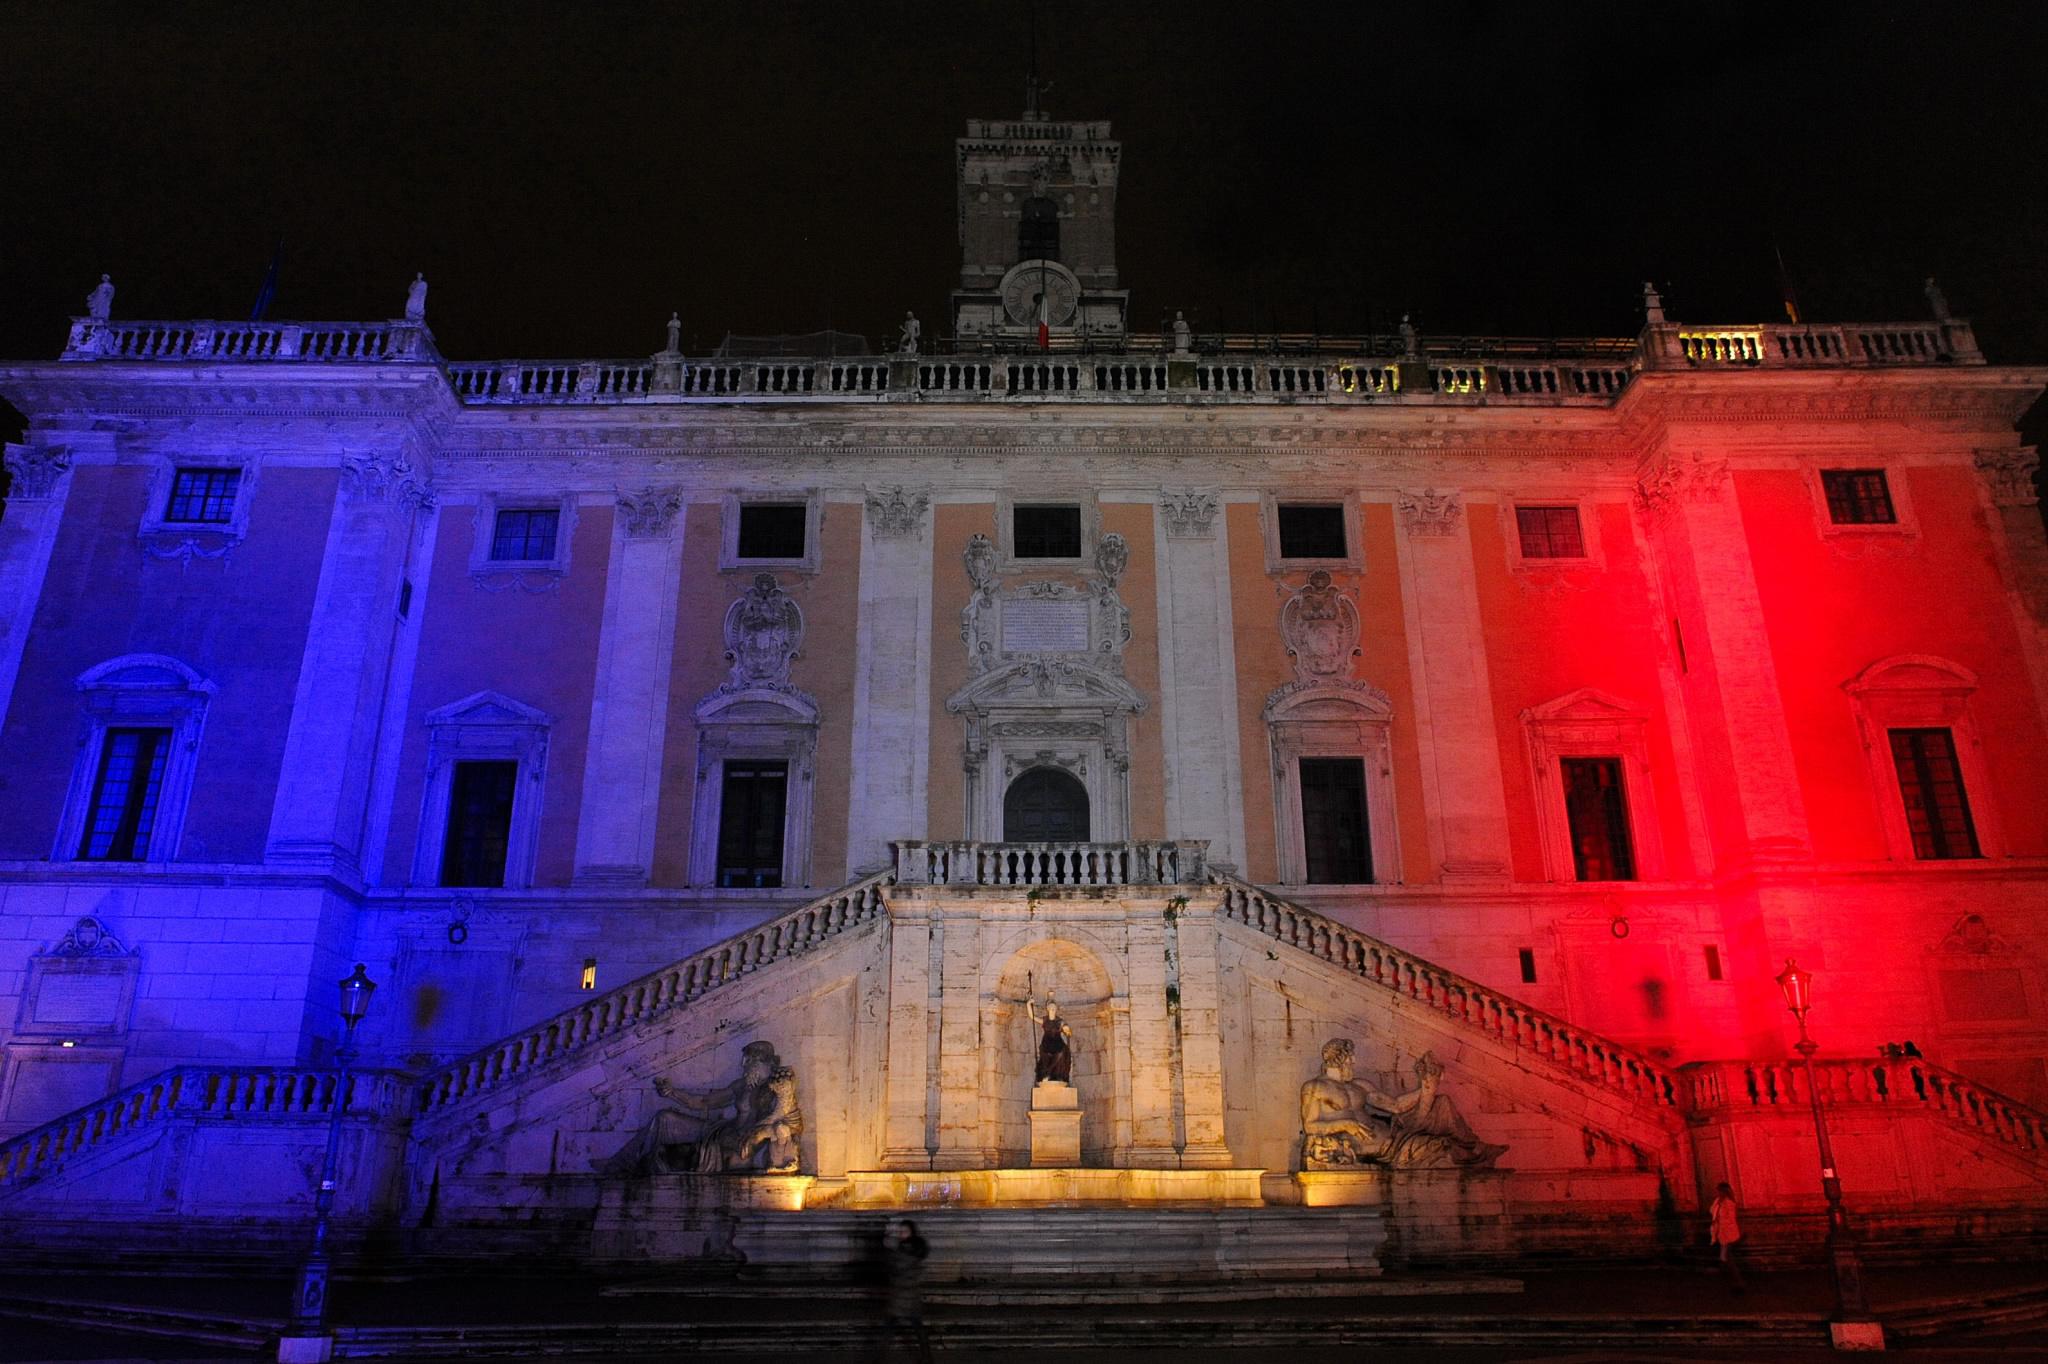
point(1190, 513)
point(36, 471)
point(1429, 512)
point(896, 514)
point(649, 513)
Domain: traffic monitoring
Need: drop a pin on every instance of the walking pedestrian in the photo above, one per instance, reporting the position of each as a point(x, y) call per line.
point(907, 1252)
point(1724, 1233)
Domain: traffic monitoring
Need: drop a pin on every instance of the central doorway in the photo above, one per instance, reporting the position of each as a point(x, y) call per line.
point(1045, 805)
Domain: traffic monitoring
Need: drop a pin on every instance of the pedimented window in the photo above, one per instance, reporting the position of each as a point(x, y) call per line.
point(1595, 808)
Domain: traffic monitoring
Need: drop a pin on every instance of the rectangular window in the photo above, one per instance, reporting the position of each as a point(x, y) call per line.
point(1858, 497)
point(124, 795)
point(479, 824)
point(1937, 812)
point(1550, 532)
point(1528, 956)
point(750, 820)
point(1713, 962)
point(771, 530)
point(526, 534)
point(1336, 845)
point(1311, 532)
point(1046, 532)
point(1597, 811)
point(206, 495)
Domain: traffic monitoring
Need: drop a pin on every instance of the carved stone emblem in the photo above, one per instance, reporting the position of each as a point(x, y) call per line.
point(977, 618)
point(651, 511)
point(1347, 1123)
point(894, 513)
point(35, 470)
point(764, 634)
point(89, 938)
point(1320, 625)
point(1429, 512)
point(2010, 474)
point(1972, 937)
point(1190, 515)
point(1112, 557)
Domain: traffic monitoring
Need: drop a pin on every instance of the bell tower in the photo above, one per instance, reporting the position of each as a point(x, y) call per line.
point(1038, 232)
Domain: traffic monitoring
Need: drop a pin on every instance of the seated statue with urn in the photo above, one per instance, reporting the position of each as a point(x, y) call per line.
point(750, 1126)
point(1346, 1123)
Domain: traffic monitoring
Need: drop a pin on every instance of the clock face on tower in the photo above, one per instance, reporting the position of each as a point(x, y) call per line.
point(1027, 279)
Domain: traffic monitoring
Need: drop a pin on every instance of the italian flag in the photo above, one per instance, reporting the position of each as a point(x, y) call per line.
point(1044, 330)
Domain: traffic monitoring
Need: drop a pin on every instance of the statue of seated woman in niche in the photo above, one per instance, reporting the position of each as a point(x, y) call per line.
point(750, 1126)
point(1347, 1123)
point(1055, 1056)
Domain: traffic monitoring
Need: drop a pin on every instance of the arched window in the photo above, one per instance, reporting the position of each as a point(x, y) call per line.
point(1038, 231)
point(1045, 805)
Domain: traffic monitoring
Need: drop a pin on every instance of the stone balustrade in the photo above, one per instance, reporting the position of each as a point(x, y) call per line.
point(1739, 1089)
point(608, 1015)
point(1169, 862)
point(198, 1092)
point(339, 342)
point(1225, 369)
point(1593, 1058)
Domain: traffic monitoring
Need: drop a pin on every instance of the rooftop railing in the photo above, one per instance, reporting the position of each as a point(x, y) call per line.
point(1139, 368)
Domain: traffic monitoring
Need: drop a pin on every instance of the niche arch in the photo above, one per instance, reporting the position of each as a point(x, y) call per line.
point(1045, 804)
point(1097, 1009)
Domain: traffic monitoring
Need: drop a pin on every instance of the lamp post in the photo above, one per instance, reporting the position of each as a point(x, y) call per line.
point(1853, 1326)
point(306, 1340)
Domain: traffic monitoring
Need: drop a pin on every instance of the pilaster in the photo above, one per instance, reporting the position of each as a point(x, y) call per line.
point(959, 1064)
point(1151, 1032)
point(1465, 794)
point(910, 989)
point(40, 479)
point(892, 679)
point(1198, 676)
point(1693, 510)
point(629, 712)
point(1201, 1037)
point(323, 785)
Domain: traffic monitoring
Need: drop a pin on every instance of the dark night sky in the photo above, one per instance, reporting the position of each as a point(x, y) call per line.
point(567, 174)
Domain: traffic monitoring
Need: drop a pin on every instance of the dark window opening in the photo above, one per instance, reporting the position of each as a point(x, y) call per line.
point(1930, 782)
point(526, 534)
point(203, 495)
point(1713, 962)
point(1528, 956)
point(1858, 497)
point(772, 530)
point(404, 598)
point(1597, 812)
point(1312, 532)
point(122, 814)
point(1046, 532)
point(1038, 231)
point(754, 797)
point(1550, 532)
point(479, 824)
point(1045, 805)
point(1336, 845)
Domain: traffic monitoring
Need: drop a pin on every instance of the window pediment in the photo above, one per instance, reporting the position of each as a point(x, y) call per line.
point(488, 708)
point(1046, 682)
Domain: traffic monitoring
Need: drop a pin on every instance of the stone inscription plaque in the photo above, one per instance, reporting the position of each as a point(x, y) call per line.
point(1043, 626)
point(87, 999)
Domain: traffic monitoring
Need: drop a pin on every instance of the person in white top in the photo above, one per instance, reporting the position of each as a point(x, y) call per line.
point(1724, 1231)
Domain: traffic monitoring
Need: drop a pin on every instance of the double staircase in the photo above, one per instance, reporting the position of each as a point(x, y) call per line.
point(196, 1097)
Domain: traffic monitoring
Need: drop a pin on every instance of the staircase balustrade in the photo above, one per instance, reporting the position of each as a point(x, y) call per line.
point(1895, 1084)
point(197, 1092)
point(1168, 862)
point(637, 1001)
point(1607, 1064)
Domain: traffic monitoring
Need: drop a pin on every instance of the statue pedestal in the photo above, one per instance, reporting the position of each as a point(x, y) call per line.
point(671, 1217)
point(1355, 1188)
point(1055, 1124)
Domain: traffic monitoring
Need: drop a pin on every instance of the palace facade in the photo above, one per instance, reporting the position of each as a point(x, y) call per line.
point(1523, 703)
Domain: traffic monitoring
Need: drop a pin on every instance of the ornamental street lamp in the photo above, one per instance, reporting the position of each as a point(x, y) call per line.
point(1853, 1325)
point(306, 1340)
